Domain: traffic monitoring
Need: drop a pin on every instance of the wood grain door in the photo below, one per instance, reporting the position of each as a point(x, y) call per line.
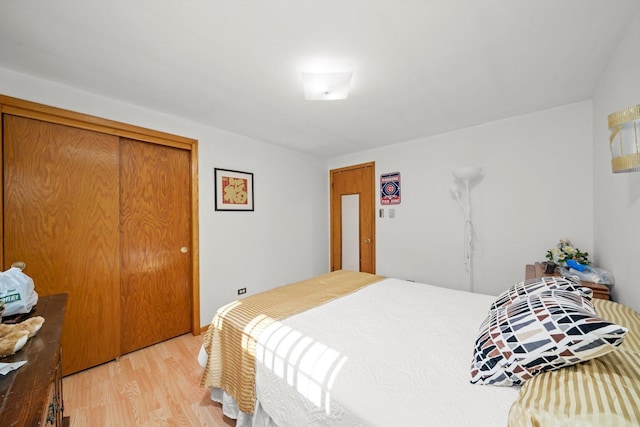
point(358, 179)
point(155, 243)
point(61, 217)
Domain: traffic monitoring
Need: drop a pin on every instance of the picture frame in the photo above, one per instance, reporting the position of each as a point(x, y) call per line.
point(233, 190)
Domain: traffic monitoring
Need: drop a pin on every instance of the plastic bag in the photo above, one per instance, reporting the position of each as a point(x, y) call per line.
point(17, 291)
point(590, 274)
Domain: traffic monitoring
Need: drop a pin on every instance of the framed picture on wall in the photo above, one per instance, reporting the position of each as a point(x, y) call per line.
point(233, 190)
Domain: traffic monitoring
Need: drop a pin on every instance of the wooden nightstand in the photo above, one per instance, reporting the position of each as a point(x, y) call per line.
point(32, 395)
point(599, 290)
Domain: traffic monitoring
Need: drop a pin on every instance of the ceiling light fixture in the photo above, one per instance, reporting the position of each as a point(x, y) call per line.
point(326, 86)
point(624, 140)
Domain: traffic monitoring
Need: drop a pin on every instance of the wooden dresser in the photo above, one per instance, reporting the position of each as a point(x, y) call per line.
point(32, 395)
point(599, 290)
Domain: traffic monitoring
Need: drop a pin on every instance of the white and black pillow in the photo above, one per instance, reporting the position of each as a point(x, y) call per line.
point(534, 286)
point(547, 330)
point(524, 289)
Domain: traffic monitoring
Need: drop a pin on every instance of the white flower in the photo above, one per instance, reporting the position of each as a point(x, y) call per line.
point(564, 251)
point(556, 255)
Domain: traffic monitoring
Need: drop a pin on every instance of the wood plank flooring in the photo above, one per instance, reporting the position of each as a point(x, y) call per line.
point(153, 387)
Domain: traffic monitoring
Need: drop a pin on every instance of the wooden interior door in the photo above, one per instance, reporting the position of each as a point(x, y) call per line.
point(61, 217)
point(358, 179)
point(155, 243)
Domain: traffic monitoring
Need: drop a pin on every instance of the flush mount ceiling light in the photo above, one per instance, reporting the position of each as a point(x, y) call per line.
point(326, 86)
point(625, 139)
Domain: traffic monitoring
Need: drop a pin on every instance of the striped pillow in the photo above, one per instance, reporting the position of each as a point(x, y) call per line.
point(602, 392)
point(622, 315)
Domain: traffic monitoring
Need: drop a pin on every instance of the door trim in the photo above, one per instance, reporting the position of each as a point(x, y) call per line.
point(33, 110)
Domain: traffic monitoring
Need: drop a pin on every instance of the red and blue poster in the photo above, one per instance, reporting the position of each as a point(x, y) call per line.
point(390, 188)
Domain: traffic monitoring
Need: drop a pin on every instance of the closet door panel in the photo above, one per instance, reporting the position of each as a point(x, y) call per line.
point(155, 243)
point(61, 214)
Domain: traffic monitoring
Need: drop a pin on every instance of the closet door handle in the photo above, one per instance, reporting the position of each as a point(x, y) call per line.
point(184, 249)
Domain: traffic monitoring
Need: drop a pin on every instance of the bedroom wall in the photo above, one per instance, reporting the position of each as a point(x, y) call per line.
point(283, 241)
point(617, 196)
point(536, 188)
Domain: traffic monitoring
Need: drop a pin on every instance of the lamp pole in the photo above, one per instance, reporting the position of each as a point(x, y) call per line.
point(466, 175)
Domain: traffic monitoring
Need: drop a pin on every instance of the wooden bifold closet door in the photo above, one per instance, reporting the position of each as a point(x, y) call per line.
point(106, 220)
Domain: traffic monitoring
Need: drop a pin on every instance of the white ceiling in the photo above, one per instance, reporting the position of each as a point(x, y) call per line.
point(420, 67)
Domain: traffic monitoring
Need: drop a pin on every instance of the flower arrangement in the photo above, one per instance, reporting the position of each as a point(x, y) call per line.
point(565, 251)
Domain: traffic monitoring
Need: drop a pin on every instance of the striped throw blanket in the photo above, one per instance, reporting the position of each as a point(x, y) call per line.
point(230, 341)
point(601, 392)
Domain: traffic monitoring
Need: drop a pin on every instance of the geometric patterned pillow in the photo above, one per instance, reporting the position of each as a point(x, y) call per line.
point(523, 290)
point(534, 286)
point(548, 330)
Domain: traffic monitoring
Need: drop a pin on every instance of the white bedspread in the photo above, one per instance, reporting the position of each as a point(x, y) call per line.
point(395, 353)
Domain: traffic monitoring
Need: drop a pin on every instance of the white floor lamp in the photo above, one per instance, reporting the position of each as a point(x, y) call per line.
point(463, 177)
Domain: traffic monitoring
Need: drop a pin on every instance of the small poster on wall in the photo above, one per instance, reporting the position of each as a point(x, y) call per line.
point(390, 188)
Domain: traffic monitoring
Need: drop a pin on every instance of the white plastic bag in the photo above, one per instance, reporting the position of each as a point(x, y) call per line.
point(590, 274)
point(17, 291)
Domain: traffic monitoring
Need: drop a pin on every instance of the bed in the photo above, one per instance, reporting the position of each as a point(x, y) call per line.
point(353, 349)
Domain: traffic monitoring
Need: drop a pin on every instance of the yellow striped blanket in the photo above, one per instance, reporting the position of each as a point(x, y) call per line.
point(601, 392)
point(230, 341)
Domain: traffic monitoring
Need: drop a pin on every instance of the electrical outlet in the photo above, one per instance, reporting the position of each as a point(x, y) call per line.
point(242, 291)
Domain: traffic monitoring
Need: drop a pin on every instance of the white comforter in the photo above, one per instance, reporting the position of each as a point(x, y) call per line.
point(395, 353)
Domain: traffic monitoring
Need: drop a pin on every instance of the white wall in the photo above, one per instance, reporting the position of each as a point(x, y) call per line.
point(284, 240)
point(536, 188)
point(617, 196)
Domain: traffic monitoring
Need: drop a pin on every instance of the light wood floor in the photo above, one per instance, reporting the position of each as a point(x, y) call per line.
point(152, 387)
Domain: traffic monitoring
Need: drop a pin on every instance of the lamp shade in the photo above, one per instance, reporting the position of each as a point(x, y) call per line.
point(468, 173)
point(624, 140)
